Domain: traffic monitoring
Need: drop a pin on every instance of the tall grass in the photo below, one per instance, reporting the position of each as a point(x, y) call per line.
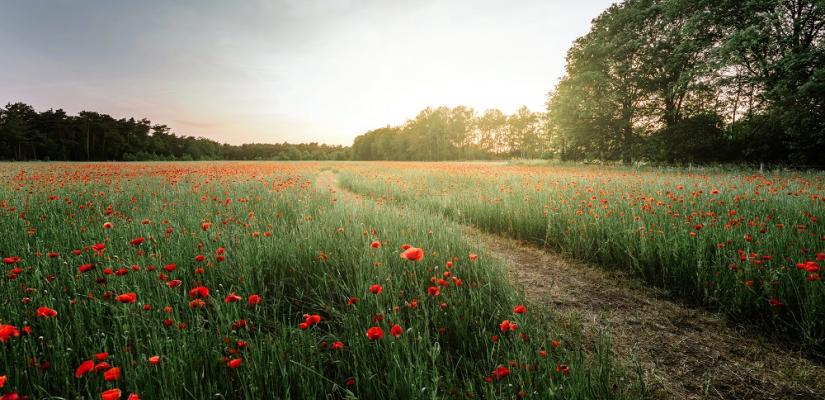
point(284, 239)
point(749, 245)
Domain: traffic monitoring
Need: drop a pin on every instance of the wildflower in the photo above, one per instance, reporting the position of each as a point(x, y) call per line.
point(413, 254)
point(376, 289)
point(375, 333)
point(396, 330)
point(46, 312)
point(85, 367)
point(519, 309)
point(112, 394)
point(127, 297)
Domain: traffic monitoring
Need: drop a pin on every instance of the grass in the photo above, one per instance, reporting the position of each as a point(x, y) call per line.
point(746, 244)
point(262, 229)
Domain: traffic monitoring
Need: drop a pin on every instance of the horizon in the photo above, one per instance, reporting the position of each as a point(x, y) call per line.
point(285, 71)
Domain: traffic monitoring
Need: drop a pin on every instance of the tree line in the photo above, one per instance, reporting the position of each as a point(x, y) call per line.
point(696, 80)
point(26, 134)
point(457, 133)
point(659, 80)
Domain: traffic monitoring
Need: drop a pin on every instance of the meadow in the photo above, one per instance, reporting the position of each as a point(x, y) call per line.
point(254, 280)
point(743, 243)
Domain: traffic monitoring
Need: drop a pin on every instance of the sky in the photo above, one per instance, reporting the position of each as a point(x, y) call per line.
point(288, 70)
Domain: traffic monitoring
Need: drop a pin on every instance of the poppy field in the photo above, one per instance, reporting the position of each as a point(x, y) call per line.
point(746, 244)
point(253, 280)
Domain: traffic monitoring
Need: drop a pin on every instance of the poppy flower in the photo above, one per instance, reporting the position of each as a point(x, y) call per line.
point(375, 333)
point(376, 289)
point(473, 256)
point(375, 244)
point(433, 291)
point(205, 226)
point(337, 346)
point(563, 369)
point(174, 283)
point(154, 360)
point(413, 254)
point(112, 374)
point(85, 367)
point(234, 363)
point(506, 325)
point(85, 268)
point(501, 373)
point(396, 330)
point(97, 247)
point(7, 332)
point(2, 381)
point(197, 303)
point(232, 297)
point(111, 394)
point(11, 260)
point(102, 366)
point(101, 356)
point(200, 258)
point(107, 225)
point(170, 267)
point(775, 302)
point(200, 292)
point(137, 241)
point(519, 309)
point(46, 312)
point(133, 396)
point(127, 297)
point(254, 300)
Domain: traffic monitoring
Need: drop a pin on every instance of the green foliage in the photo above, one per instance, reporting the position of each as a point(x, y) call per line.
point(90, 136)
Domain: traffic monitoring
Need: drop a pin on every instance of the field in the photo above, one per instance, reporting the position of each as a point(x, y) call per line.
point(250, 280)
point(359, 280)
point(747, 244)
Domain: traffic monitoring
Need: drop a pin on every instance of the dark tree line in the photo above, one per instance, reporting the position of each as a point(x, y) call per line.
point(26, 134)
point(696, 80)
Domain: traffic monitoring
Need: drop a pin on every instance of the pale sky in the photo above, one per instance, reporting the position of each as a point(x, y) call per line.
point(288, 70)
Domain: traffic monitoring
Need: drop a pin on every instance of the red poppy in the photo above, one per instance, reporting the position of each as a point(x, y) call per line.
point(375, 333)
point(170, 267)
point(775, 302)
point(375, 244)
point(232, 297)
point(473, 256)
point(111, 394)
point(154, 360)
point(337, 346)
point(11, 260)
point(85, 366)
point(174, 283)
point(396, 330)
point(46, 312)
point(107, 225)
point(127, 297)
point(501, 373)
point(112, 374)
point(563, 369)
point(506, 325)
point(86, 267)
point(234, 363)
point(200, 258)
point(376, 289)
point(433, 291)
point(197, 303)
point(413, 254)
point(7, 332)
point(205, 226)
point(101, 356)
point(254, 300)
point(519, 309)
point(137, 241)
point(200, 292)
point(2, 381)
point(405, 246)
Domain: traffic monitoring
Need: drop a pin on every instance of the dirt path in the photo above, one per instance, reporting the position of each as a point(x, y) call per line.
point(686, 353)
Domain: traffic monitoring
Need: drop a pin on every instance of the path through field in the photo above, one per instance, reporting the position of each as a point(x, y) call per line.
point(686, 353)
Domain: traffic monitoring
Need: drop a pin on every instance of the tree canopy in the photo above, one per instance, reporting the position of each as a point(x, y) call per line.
point(26, 134)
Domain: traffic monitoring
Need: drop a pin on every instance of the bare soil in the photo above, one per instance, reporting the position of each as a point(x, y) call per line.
point(686, 353)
